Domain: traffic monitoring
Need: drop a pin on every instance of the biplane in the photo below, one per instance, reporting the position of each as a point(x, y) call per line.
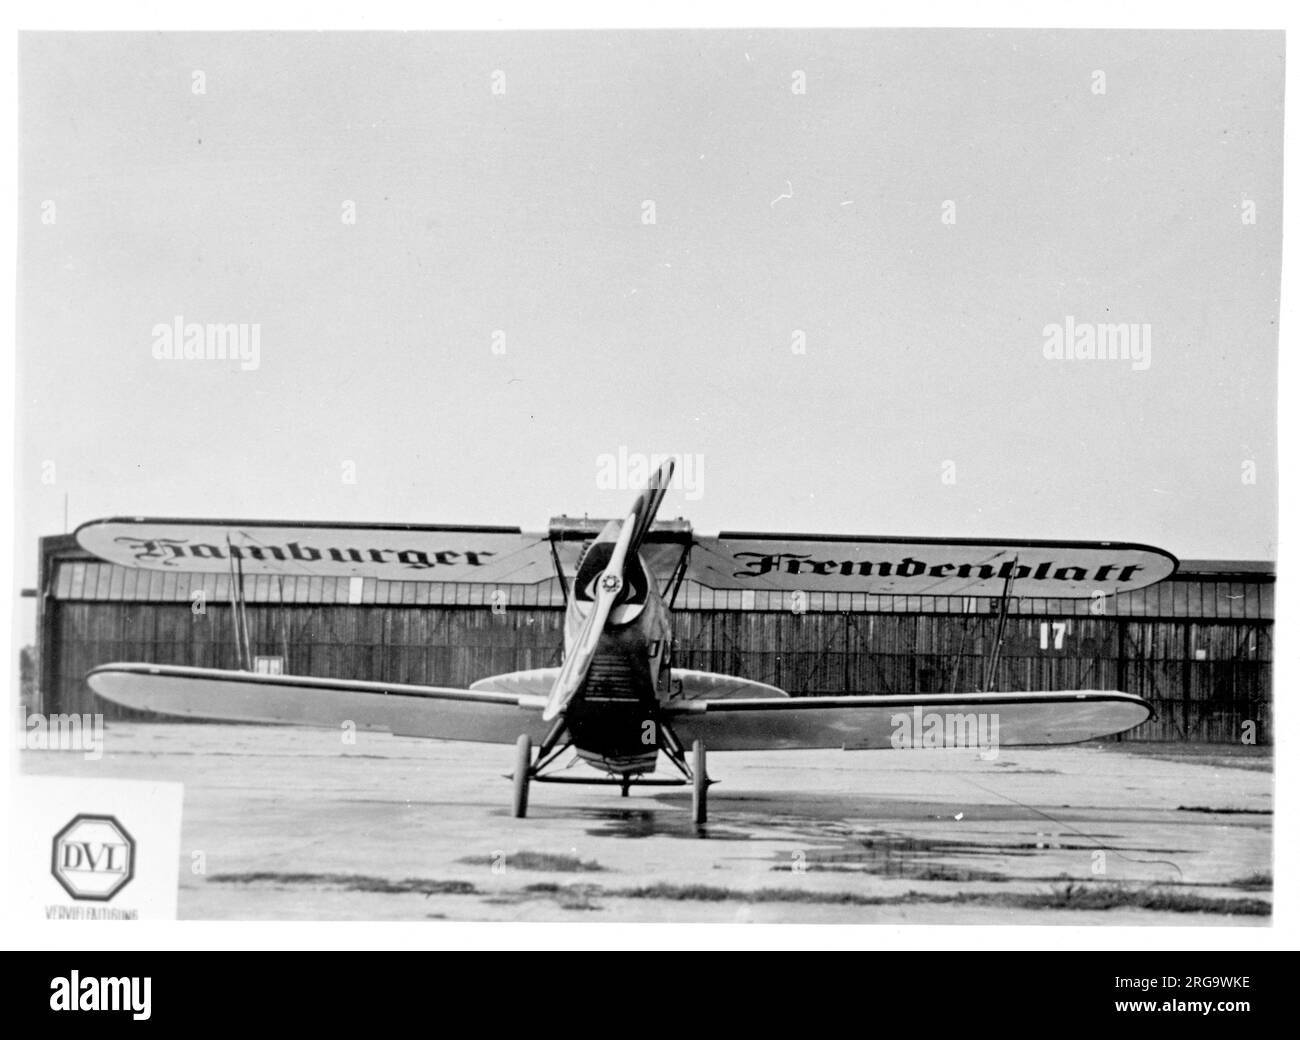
point(617, 699)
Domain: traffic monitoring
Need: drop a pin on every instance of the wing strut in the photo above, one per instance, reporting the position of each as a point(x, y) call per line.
point(559, 571)
point(678, 575)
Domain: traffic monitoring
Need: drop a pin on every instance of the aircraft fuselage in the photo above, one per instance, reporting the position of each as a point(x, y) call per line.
point(614, 719)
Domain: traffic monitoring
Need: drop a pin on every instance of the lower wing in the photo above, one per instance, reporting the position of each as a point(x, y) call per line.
point(738, 724)
point(404, 710)
point(918, 720)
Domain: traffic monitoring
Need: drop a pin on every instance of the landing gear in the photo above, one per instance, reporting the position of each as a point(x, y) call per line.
point(523, 773)
point(692, 767)
point(699, 784)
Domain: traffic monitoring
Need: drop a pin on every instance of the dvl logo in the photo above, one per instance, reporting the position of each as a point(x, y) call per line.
point(94, 857)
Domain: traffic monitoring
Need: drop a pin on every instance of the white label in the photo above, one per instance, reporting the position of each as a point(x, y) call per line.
point(95, 850)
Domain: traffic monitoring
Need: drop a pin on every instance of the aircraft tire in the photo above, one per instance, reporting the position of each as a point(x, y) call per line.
point(700, 784)
point(523, 769)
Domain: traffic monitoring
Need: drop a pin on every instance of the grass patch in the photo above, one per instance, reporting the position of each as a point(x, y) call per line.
point(1067, 897)
point(555, 863)
point(1225, 812)
point(898, 870)
point(1080, 896)
point(569, 897)
point(939, 872)
point(1255, 757)
point(1261, 880)
point(351, 883)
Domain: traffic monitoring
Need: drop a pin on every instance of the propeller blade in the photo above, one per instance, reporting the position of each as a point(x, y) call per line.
point(647, 505)
point(574, 670)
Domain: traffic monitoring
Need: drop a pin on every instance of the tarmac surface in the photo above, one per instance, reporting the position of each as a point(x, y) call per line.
point(298, 825)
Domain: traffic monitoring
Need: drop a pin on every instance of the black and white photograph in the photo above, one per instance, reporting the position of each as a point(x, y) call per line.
point(587, 475)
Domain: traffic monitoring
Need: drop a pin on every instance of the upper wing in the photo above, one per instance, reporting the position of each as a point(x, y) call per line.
point(404, 710)
point(919, 720)
point(393, 552)
point(507, 555)
point(924, 566)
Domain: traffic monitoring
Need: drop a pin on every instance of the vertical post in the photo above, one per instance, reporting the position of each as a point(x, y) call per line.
point(991, 672)
point(243, 616)
point(961, 650)
point(848, 624)
point(1121, 668)
point(284, 627)
point(243, 643)
point(234, 610)
point(49, 621)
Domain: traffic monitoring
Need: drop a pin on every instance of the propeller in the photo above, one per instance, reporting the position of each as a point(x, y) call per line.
point(609, 586)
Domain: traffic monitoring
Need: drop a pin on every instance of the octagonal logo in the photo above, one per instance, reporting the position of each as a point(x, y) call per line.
point(93, 858)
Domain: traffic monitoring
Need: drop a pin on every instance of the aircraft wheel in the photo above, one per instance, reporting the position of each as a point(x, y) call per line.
point(700, 788)
point(523, 768)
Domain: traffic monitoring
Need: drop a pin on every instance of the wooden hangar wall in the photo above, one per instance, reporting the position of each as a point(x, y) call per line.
point(1198, 646)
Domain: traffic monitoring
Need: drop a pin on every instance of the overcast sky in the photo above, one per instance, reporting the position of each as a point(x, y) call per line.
point(499, 183)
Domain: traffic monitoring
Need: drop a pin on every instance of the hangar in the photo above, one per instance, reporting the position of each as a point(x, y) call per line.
point(1198, 645)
